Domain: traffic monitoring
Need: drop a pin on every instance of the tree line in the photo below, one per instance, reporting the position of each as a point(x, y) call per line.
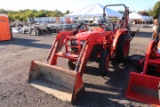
point(151, 11)
point(23, 15)
point(155, 11)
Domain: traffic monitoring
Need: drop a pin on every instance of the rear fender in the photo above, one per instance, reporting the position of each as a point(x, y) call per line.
point(116, 37)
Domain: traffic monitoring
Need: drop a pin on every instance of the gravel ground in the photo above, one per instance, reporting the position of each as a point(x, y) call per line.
point(108, 91)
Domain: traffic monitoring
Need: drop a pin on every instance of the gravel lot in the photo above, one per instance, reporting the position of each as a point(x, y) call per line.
point(108, 91)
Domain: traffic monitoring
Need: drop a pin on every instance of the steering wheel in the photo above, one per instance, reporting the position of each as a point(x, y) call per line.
point(103, 24)
point(84, 26)
point(81, 30)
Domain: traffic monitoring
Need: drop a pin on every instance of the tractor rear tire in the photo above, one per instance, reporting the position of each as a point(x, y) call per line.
point(104, 62)
point(123, 47)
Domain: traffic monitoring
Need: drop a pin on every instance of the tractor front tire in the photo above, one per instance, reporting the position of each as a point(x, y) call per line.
point(122, 48)
point(104, 62)
point(71, 65)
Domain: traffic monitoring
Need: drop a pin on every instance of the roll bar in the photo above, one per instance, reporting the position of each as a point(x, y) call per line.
point(125, 15)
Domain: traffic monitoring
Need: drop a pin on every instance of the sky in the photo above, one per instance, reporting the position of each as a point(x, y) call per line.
point(73, 5)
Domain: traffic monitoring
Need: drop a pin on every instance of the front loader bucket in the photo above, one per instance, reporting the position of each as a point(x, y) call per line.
point(63, 84)
point(143, 88)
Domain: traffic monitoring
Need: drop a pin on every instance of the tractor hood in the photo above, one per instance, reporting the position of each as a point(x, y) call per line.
point(85, 35)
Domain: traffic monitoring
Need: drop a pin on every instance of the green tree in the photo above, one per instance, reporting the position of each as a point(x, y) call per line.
point(42, 13)
point(29, 14)
point(144, 13)
point(67, 12)
point(150, 12)
point(3, 11)
point(23, 15)
point(156, 10)
point(56, 13)
point(121, 11)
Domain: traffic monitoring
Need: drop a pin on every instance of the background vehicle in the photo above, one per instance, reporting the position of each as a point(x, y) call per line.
point(52, 28)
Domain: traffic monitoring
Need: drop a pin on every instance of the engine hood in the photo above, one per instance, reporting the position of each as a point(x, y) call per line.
point(84, 35)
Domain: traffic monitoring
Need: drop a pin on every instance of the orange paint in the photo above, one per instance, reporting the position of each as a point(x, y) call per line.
point(68, 20)
point(5, 33)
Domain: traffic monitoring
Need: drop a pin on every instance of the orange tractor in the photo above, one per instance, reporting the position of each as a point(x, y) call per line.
point(78, 47)
point(144, 86)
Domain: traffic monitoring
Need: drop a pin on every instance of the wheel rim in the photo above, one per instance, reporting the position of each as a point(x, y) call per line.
point(126, 48)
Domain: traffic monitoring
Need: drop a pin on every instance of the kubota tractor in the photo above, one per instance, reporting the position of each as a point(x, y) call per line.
point(78, 47)
point(144, 86)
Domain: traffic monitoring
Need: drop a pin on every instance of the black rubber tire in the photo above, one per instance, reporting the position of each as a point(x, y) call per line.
point(71, 65)
point(120, 48)
point(103, 61)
